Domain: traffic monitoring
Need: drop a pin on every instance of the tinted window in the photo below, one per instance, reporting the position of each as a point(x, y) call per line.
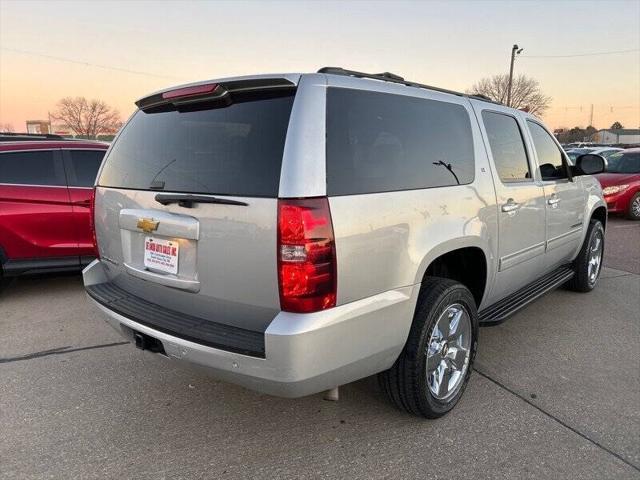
point(234, 150)
point(507, 147)
point(624, 162)
point(84, 167)
point(549, 155)
point(31, 168)
point(379, 142)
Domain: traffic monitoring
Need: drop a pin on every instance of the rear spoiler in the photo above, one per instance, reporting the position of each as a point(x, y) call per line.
point(210, 92)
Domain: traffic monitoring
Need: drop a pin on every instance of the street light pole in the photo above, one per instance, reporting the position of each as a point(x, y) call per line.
point(514, 51)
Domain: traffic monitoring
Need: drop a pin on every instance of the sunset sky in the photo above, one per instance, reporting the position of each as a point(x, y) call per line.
point(447, 44)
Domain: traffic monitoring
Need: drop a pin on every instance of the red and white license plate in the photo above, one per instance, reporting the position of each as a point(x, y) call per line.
point(161, 254)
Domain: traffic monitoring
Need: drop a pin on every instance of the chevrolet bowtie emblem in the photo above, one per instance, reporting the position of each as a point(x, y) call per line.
point(147, 225)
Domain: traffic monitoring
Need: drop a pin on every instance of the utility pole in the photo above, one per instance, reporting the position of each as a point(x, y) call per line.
point(514, 51)
point(591, 116)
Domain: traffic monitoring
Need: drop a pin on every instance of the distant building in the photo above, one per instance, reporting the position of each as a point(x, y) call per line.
point(617, 136)
point(45, 126)
point(38, 126)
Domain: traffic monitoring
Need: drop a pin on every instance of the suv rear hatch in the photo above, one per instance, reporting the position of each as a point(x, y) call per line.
point(186, 203)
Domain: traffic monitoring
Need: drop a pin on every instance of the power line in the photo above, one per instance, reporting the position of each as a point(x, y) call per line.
point(88, 64)
point(593, 54)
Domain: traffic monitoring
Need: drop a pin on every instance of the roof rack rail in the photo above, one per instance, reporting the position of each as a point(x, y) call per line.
point(9, 136)
point(391, 77)
point(481, 96)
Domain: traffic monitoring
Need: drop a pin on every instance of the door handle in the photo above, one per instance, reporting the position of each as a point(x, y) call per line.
point(554, 200)
point(510, 206)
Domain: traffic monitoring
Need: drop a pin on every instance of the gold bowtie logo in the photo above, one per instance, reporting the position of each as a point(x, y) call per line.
point(147, 225)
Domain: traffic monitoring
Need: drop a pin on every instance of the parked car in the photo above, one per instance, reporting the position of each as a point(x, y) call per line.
point(574, 153)
point(293, 233)
point(605, 152)
point(621, 183)
point(46, 189)
point(579, 145)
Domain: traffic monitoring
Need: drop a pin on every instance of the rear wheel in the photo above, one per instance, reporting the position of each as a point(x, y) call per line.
point(634, 207)
point(588, 264)
point(431, 373)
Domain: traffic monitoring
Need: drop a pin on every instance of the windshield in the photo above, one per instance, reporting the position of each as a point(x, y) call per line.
point(624, 162)
point(607, 153)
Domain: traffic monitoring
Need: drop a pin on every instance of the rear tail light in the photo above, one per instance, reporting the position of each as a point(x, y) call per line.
point(92, 222)
point(306, 255)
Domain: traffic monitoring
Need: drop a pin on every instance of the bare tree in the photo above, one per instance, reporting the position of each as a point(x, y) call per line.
point(87, 118)
point(616, 126)
point(6, 128)
point(525, 92)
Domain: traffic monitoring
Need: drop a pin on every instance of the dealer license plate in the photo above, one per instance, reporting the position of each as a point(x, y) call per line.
point(160, 254)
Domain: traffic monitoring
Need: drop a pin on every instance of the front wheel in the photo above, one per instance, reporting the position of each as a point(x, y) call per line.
point(588, 264)
point(431, 373)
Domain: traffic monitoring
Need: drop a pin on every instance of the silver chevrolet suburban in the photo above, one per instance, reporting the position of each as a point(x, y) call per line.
point(293, 233)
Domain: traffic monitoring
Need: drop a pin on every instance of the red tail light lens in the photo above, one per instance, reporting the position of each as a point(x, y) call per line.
point(306, 255)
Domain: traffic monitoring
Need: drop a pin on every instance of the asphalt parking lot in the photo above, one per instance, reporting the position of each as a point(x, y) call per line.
point(556, 394)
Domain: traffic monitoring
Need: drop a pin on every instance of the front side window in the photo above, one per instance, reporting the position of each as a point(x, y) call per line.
point(31, 168)
point(507, 147)
point(550, 159)
point(379, 142)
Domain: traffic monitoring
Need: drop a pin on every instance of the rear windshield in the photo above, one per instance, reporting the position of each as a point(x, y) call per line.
point(234, 150)
point(378, 142)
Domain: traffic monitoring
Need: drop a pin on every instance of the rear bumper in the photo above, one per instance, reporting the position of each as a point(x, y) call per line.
point(303, 353)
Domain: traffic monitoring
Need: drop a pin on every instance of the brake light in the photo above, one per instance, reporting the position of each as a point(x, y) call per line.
point(190, 91)
point(306, 255)
point(92, 222)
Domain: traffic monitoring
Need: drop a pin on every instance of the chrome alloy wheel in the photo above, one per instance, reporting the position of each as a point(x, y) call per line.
point(635, 207)
point(595, 257)
point(448, 352)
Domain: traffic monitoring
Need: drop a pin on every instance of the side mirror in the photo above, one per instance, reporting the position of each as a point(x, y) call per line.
point(590, 164)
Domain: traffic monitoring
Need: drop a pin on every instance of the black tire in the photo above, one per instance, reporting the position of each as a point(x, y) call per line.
point(581, 281)
point(631, 214)
point(4, 282)
point(405, 383)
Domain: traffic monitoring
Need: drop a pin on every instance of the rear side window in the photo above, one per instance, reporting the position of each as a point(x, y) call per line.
point(507, 147)
point(378, 142)
point(233, 150)
point(83, 167)
point(32, 168)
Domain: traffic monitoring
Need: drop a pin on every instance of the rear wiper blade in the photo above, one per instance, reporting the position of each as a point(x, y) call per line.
point(187, 201)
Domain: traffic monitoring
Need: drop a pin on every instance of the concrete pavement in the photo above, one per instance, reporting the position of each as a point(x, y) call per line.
point(556, 394)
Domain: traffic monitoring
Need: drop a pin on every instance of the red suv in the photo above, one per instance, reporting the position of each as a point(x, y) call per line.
point(46, 192)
